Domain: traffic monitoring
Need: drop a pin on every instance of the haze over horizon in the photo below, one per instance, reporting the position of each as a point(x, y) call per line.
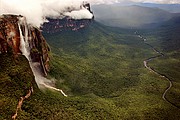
point(141, 1)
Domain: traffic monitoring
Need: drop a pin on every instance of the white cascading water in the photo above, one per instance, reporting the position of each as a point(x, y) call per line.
point(23, 44)
point(35, 66)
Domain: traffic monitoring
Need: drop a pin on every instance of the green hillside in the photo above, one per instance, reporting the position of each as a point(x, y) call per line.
point(167, 39)
point(106, 63)
point(96, 58)
point(16, 79)
point(100, 69)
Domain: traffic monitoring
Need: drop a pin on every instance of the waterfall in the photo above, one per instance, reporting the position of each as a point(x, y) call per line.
point(23, 44)
point(35, 66)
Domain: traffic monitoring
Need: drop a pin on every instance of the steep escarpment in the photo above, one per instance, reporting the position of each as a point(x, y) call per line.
point(58, 25)
point(67, 23)
point(21, 45)
point(13, 29)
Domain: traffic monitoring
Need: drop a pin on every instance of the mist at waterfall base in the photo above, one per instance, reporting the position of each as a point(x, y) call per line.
point(41, 81)
point(36, 11)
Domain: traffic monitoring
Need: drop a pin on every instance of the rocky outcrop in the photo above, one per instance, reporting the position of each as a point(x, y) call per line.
point(9, 34)
point(88, 7)
point(67, 23)
point(13, 28)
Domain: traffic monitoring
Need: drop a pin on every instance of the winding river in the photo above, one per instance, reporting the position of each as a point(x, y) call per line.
point(159, 54)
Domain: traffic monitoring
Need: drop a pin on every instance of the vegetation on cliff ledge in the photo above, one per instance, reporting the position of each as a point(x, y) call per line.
point(101, 69)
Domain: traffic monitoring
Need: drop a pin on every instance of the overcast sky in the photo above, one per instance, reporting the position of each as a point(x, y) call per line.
point(145, 1)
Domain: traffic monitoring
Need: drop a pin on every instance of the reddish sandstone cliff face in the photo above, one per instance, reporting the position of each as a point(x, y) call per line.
point(10, 39)
point(9, 34)
point(67, 23)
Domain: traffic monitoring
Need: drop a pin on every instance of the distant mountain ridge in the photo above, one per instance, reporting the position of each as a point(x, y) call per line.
point(130, 16)
point(169, 33)
point(173, 8)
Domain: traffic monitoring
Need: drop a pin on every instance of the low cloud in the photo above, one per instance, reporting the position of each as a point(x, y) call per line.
point(37, 10)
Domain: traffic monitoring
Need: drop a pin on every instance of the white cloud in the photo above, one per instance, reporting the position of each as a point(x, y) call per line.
point(83, 13)
point(36, 10)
